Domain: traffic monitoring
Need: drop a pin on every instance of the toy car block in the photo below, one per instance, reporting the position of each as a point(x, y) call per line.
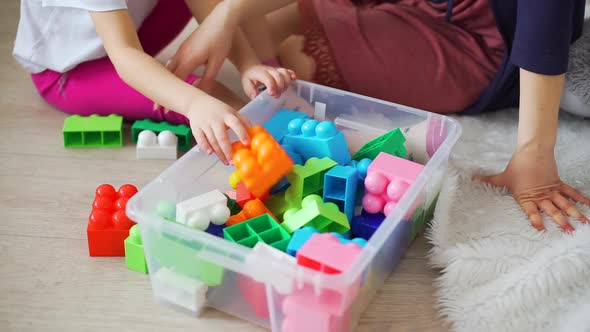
point(262, 163)
point(93, 131)
point(314, 212)
point(311, 138)
point(325, 253)
point(307, 180)
point(162, 146)
point(108, 225)
point(365, 225)
point(243, 195)
point(252, 209)
point(183, 132)
point(177, 289)
point(388, 179)
point(340, 188)
point(278, 125)
point(199, 211)
point(391, 143)
point(134, 255)
point(260, 229)
point(303, 234)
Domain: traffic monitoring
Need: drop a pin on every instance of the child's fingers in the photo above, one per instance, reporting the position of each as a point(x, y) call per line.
point(245, 121)
point(278, 78)
point(249, 87)
point(202, 141)
point(210, 74)
point(286, 77)
point(223, 141)
point(265, 78)
point(237, 125)
point(292, 74)
point(214, 145)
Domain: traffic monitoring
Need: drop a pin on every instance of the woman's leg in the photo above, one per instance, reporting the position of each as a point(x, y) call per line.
point(404, 52)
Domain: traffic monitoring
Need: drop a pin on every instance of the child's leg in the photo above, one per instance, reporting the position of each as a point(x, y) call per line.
point(95, 87)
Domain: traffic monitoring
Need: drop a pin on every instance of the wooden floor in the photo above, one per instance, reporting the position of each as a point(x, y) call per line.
point(47, 280)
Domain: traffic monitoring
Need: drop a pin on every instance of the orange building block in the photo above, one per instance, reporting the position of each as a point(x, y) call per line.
point(252, 209)
point(262, 163)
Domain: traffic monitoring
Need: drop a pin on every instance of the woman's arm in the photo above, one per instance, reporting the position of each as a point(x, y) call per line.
point(532, 174)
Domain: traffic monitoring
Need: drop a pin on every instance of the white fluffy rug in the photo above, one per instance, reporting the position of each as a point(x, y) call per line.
point(498, 273)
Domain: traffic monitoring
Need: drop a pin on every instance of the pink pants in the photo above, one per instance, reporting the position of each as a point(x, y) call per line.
point(94, 87)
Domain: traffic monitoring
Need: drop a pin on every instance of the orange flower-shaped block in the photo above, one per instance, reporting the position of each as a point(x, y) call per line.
point(262, 163)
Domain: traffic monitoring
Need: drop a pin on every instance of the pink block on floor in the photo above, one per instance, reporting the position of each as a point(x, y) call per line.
point(388, 179)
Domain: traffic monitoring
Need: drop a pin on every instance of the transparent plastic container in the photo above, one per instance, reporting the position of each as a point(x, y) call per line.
point(191, 269)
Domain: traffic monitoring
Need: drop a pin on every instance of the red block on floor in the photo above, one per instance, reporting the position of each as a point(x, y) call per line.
point(108, 225)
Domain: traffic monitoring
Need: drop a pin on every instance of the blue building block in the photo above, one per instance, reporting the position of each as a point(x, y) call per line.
point(281, 186)
point(296, 157)
point(278, 125)
point(340, 188)
point(303, 234)
point(362, 166)
point(216, 230)
point(311, 138)
point(365, 225)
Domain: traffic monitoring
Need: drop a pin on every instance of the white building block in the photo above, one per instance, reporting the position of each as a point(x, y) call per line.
point(163, 146)
point(260, 266)
point(319, 112)
point(199, 211)
point(179, 290)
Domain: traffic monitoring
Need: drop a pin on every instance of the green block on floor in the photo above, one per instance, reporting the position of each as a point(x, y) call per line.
point(183, 132)
point(392, 143)
point(325, 217)
point(260, 229)
point(307, 180)
point(180, 256)
point(134, 255)
point(93, 131)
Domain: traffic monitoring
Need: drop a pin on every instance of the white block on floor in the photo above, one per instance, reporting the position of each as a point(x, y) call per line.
point(162, 146)
point(199, 211)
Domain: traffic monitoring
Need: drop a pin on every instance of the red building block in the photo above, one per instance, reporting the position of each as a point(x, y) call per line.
point(108, 225)
point(243, 195)
point(251, 209)
point(255, 294)
point(262, 163)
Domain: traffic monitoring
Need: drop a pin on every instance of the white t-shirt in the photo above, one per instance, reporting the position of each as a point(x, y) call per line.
point(60, 34)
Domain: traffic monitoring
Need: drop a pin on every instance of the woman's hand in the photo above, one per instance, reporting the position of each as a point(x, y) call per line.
point(533, 179)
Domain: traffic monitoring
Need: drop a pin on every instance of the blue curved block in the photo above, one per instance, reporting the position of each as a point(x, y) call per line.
point(303, 234)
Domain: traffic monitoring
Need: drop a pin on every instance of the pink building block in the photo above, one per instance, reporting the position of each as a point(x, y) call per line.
point(388, 179)
point(326, 310)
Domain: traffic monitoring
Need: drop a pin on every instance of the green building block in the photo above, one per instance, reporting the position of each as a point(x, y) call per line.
point(180, 256)
point(277, 205)
point(183, 132)
point(307, 180)
point(233, 206)
point(260, 229)
point(392, 143)
point(325, 217)
point(134, 255)
point(93, 131)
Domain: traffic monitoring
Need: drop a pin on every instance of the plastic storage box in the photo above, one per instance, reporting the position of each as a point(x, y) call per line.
point(190, 269)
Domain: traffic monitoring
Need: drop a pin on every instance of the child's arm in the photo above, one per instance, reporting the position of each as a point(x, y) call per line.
point(208, 116)
point(212, 41)
point(532, 174)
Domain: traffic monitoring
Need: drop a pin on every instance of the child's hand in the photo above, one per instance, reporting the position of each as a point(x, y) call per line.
point(276, 80)
point(209, 119)
point(208, 45)
point(532, 178)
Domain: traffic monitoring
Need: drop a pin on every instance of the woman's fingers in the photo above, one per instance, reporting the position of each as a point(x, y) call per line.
point(549, 208)
point(568, 207)
point(532, 211)
point(574, 194)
